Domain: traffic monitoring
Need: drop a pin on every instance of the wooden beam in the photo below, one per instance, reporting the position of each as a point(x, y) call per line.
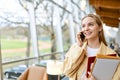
point(109, 14)
point(111, 4)
point(111, 25)
point(110, 22)
point(109, 11)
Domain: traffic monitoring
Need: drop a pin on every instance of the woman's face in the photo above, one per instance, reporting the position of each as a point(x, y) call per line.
point(90, 28)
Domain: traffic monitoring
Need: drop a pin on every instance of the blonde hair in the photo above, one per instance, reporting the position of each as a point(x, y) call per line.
point(99, 22)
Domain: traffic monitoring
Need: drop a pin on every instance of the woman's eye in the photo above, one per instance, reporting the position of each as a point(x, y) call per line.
point(91, 24)
point(83, 26)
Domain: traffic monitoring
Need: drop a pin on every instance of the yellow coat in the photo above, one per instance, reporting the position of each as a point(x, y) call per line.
point(76, 60)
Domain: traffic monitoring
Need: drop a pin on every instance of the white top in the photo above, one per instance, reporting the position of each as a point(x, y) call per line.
point(92, 51)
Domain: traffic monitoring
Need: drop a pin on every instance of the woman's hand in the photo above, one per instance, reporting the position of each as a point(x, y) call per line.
point(90, 78)
point(78, 39)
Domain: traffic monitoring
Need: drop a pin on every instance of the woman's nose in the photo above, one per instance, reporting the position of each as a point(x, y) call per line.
point(86, 28)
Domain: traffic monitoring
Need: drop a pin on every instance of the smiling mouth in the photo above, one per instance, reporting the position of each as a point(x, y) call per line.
point(88, 33)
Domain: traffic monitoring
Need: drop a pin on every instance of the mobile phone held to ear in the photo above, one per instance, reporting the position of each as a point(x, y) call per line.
point(82, 36)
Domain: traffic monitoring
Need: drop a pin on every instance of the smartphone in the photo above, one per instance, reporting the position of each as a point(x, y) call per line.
point(82, 36)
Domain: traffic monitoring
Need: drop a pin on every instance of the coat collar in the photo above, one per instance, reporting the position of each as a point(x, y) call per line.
point(101, 50)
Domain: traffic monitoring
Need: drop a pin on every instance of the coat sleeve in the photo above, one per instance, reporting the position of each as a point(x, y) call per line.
point(72, 61)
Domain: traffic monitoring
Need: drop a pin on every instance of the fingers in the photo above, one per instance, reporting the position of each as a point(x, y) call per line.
point(91, 76)
point(89, 73)
point(78, 36)
point(78, 39)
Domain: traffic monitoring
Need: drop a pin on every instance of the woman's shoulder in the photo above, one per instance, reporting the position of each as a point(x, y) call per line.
point(110, 50)
point(106, 50)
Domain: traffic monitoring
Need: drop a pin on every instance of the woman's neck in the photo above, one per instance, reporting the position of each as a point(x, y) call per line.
point(94, 43)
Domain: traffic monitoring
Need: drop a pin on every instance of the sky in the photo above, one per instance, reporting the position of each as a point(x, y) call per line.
point(12, 6)
point(8, 4)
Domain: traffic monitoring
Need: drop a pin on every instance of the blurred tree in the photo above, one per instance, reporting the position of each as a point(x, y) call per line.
point(44, 18)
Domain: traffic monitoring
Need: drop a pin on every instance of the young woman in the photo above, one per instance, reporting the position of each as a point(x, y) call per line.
point(90, 42)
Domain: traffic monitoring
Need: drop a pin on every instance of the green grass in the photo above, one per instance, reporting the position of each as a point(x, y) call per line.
point(14, 55)
point(45, 51)
point(12, 44)
point(17, 44)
